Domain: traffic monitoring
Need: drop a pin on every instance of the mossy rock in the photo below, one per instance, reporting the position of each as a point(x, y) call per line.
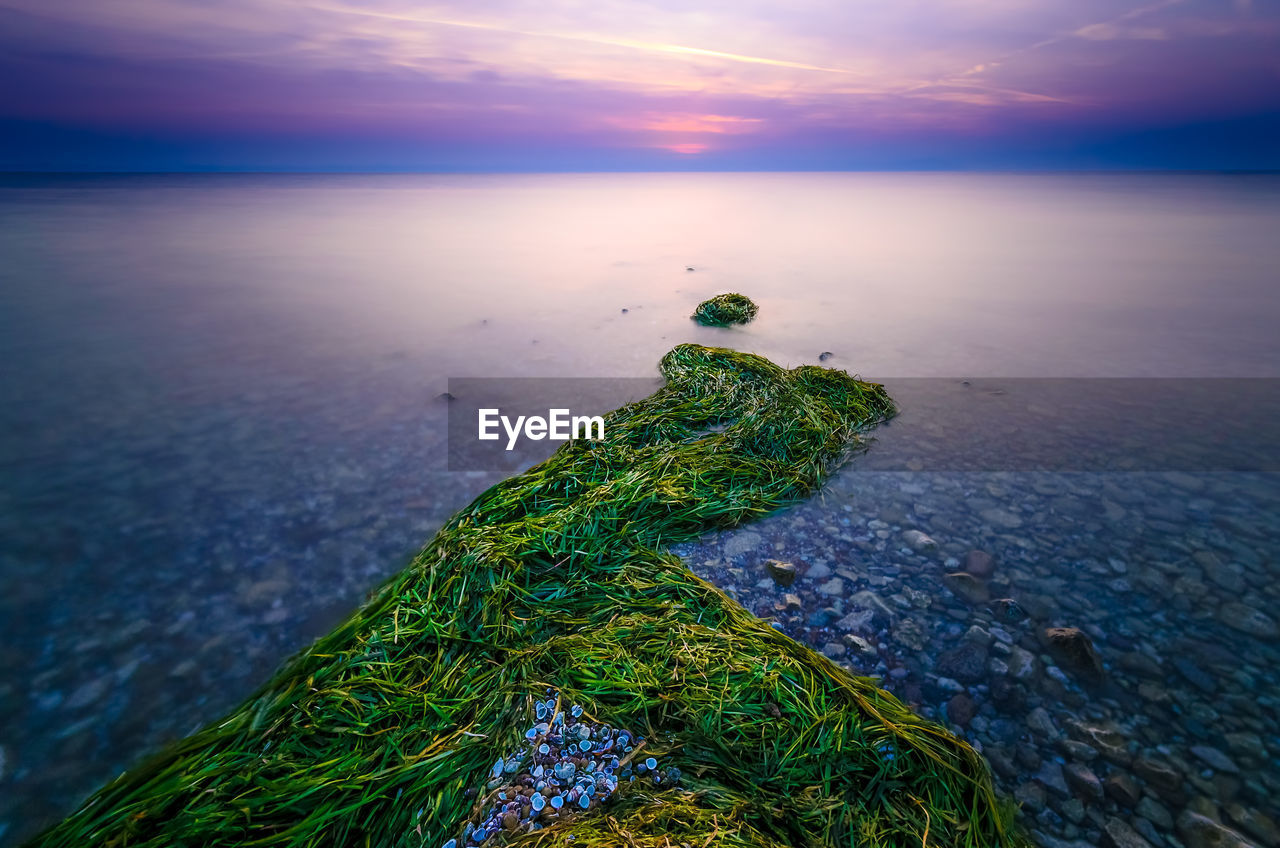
point(557, 578)
point(725, 309)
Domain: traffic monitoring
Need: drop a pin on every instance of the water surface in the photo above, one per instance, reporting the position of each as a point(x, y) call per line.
point(221, 428)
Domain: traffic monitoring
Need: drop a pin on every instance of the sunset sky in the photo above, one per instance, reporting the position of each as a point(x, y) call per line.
point(623, 85)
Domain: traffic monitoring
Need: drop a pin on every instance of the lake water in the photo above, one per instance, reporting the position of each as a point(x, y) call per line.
point(221, 427)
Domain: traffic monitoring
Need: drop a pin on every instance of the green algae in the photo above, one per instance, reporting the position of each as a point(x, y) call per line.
point(725, 309)
point(557, 578)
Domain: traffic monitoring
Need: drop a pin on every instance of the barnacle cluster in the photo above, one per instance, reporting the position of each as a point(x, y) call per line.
point(568, 764)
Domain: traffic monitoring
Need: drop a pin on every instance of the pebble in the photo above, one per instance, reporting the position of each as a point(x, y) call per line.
point(742, 542)
point(1022, 663)
point(1248, 620)
point(1254, 823)
point(961, 709)
point(1215, 759)
point(834, 586)
point(1075, 650)
point(1120, 835)
point(1121, 788)
point(1159, 774)
point(1154, 812)
point(980, 564)
point(968, 588)
point(1002, 518)
point(919, 542)
point(1199, 831)
point(1040, 722)
point(967, 662)
point(1051, 775)
point(1083, 781)
point(1079, 751)
point(89, 692)
point(783, 573)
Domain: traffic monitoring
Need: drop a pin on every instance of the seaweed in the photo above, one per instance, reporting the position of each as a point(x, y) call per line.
point(380, 732)
point(725, 309)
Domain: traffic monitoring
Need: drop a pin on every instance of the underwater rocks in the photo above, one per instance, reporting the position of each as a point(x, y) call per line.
point(567, 765)
point(1137, 593)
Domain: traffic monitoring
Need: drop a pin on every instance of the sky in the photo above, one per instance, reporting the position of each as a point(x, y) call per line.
point(587, 85)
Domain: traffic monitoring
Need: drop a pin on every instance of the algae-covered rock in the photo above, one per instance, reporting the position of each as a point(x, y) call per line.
point(558, 579)
point(725, 309)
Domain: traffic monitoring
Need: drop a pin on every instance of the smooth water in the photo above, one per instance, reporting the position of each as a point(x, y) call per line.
point(221, 427)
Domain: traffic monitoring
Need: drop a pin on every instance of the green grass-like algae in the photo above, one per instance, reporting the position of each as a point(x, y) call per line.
point(557, 578)
point(725, 309)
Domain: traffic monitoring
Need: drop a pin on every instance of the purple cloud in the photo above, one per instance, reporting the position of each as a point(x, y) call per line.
point(656, 84)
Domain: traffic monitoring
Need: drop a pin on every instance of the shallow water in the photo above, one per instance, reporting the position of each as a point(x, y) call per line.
point(222, 429)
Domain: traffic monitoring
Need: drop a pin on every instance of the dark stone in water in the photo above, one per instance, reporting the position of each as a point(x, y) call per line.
point(1195, 675)
point(1008, 611)
point(1083, 782)
point(1199, 831)
point(967, 588)
point(979, 564)
point(961, 709)
point(967, 663)
point(825, 355)
point(822, 617)
point(1121, 789)
point(1074, 650)
point(1007, 695)
point(1159, 774)
point(1120, 835)
point(1255, 823)
point(1106, 739)
point(1248, 620)
point(783, 573)
point(1139, 663)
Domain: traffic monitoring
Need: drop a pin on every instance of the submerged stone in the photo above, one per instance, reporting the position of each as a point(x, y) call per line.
point(783, 573)
point(1075, 651)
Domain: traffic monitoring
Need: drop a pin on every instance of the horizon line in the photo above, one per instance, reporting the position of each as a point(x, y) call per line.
point(551, 172)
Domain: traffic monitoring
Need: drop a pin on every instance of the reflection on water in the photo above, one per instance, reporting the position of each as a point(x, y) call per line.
point(221, 429)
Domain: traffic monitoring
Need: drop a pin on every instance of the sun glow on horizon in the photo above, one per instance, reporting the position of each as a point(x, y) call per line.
point(687, 149)
point(499, 84)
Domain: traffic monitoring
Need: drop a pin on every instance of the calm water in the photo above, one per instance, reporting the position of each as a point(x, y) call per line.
point(221, 428)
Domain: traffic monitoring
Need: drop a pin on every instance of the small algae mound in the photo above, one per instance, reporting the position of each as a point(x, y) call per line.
point(387, 731)
point(725, 309)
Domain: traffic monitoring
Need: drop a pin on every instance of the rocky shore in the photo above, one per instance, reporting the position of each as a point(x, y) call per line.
point(1109, 642)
